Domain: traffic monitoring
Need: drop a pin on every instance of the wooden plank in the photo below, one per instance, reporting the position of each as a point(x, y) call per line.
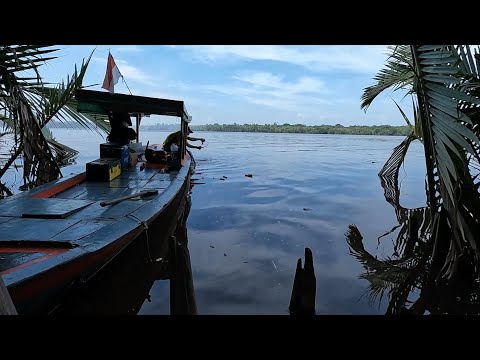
point(81, 229)
point(157, 184)
point(59, 188)
point(72, 193)
point(11, 259)
point(146, 174)
point(113, 212)
point(142, 194)
point(6, 304)
point(96, 193)
point(43, 208)
point(131, 184)
point(25, 229)
point(33, 192)
point(164, 177)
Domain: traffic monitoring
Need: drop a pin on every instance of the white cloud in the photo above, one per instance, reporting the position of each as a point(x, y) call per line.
point(271, 90)
point(322, 58)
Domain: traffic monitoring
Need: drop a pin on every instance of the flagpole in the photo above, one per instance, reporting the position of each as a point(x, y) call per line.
point(123, 79)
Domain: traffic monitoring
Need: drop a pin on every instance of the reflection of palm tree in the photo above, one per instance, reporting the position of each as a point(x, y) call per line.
point(403, 275)
point(437, 249)
point(443, 81)
point(413, 267)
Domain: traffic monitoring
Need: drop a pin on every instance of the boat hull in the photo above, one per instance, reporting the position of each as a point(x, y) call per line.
point(37, 286)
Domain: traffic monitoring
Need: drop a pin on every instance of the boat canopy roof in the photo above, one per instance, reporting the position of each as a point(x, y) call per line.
point(101, 103)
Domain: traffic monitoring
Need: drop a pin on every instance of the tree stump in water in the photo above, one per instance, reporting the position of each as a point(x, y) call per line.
point(302, 301)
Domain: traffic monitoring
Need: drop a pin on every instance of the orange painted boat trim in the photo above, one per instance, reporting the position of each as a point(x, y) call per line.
point(54, 190)
point(48, 254)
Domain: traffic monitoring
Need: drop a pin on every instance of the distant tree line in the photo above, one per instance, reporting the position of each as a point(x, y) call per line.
point(274, 128)
point(305, 129)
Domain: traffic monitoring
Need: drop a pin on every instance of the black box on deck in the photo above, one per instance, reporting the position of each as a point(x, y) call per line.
point(103, 169)
point(115, 151)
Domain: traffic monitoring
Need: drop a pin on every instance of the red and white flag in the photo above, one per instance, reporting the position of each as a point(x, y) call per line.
point(112, 75)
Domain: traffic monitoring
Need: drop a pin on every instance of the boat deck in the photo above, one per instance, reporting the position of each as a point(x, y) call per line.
point(56, 219)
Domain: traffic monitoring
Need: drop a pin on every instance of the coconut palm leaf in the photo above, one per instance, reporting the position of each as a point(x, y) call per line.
point(58, 97)
point(47, 102)
point(29, 110)
point(397, 74)
point(64, 154)
point(450, 140)
point(16, 59)
point(39, 164)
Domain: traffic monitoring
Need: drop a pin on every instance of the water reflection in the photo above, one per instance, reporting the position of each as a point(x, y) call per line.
point(125, 285)
point(408, 277)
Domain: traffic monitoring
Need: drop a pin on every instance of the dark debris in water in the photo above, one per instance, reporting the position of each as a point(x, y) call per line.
point(213, 247)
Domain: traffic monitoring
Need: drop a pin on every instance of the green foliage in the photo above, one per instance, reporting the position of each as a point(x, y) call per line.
point(25, 100)
point(305, 129)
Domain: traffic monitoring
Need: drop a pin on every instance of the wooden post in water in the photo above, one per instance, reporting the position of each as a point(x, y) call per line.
point(6, 304)
point(302, 301)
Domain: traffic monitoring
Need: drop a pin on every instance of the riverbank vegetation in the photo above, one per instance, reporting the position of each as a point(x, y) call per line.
point(294, 128)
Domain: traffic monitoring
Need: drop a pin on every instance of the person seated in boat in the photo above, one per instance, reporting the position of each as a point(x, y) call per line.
point(174, 139)
point(120, 132)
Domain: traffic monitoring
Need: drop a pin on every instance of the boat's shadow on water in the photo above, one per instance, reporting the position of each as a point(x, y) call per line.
point(124, 285)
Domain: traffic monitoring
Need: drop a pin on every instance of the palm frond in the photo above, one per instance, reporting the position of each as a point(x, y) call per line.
point(389, 174)
point(59, 102)
point(397, 74)
point(64, 155)
point(450, 140)
point(22, 58)
point(58, 97)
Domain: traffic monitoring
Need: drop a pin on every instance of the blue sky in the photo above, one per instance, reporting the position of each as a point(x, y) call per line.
point(311, 85)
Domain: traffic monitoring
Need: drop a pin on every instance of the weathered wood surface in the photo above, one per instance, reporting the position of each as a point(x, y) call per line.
point(6, 304)
point(43, 208)
point(127, 197)
point(24, 229)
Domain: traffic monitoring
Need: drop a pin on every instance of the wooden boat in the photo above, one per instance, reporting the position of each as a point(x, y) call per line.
point(59, 234)
point(124, 286)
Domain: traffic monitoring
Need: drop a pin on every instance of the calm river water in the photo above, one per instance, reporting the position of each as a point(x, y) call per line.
point(246, 233)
